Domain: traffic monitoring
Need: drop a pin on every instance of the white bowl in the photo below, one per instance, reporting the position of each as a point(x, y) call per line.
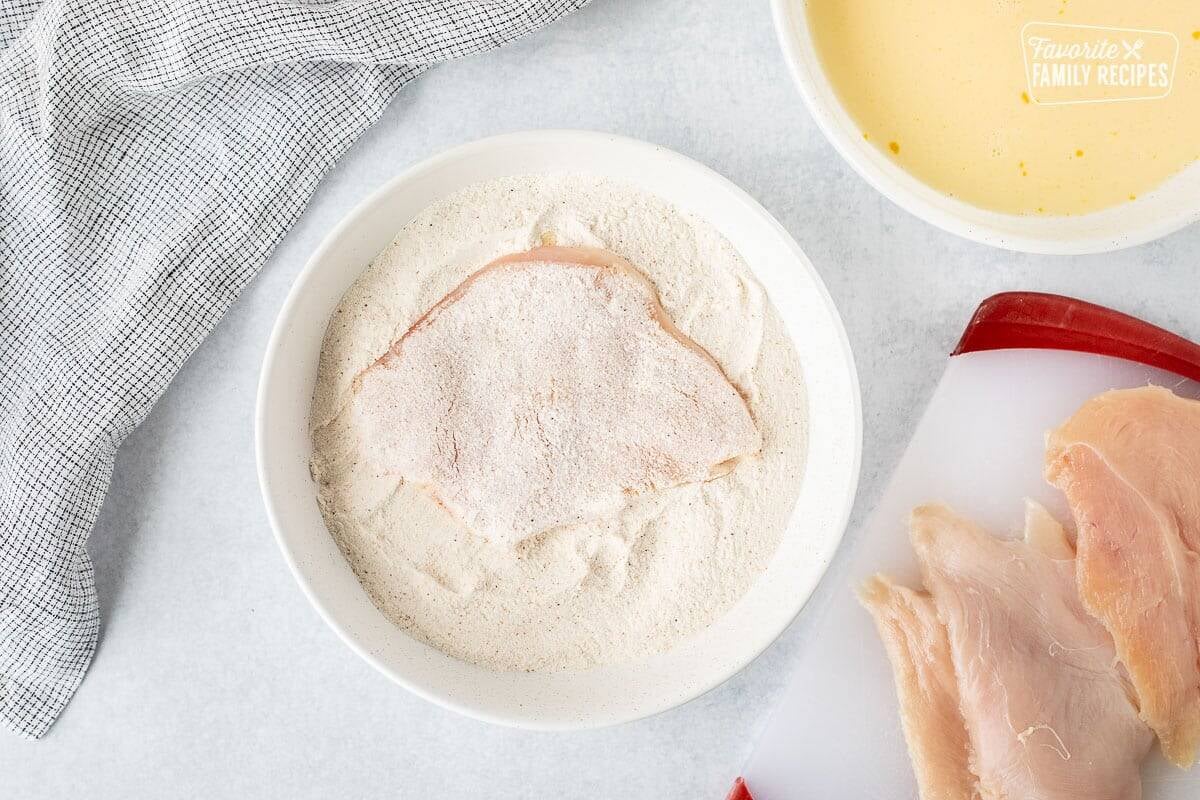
point(603, 695)
point(1173, 205)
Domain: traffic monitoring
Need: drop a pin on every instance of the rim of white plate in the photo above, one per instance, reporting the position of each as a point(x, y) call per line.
point(603, 695)
point(1170, 207)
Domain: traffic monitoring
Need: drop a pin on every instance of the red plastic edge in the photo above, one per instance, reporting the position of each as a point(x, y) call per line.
point(1013, 320)
point(739, 791)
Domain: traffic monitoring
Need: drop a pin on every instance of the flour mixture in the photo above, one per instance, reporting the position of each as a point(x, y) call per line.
point(628, 582)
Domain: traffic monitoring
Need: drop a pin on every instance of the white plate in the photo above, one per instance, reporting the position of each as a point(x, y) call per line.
point(603, 695)
point(1171, 206)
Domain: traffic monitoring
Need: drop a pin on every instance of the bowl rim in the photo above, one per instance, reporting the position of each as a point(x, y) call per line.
point(312, 267)
point(949, 214)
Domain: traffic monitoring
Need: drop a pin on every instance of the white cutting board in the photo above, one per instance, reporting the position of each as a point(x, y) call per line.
point(979, 448)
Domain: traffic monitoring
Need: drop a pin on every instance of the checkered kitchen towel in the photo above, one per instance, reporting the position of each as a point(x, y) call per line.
point(151, 156)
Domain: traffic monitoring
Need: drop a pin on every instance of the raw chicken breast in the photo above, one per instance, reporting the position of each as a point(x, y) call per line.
point(1129, 463)
point(1008, 688)
point(920, 654)
point(546, 390)
point(1047, 709)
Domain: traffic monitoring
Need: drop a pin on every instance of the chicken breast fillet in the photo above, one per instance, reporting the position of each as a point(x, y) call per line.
point(1129, 464)
point(546, 390)
point(1047, 708)
point(919, 650)
point(1041, 710)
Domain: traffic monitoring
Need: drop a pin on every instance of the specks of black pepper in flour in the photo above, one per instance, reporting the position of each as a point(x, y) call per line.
point(622, 588)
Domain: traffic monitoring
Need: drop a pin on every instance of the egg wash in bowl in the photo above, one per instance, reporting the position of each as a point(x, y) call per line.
point(432, 517)
point(1037, 107)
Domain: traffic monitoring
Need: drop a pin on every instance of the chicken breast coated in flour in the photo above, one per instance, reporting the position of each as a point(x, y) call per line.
point(545, 391)
point(1129, 463)
point(1047, 713)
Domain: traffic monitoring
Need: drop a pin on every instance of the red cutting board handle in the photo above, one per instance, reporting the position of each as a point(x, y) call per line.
point(1013, 320)
point(739, 791)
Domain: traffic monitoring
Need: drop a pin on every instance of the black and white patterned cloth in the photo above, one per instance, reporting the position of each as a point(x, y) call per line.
point(152, 154)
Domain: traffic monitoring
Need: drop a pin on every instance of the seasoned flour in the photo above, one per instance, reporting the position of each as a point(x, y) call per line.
point(644, 575)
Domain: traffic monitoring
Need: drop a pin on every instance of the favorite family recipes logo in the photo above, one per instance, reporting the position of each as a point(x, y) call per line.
point(1091, 64)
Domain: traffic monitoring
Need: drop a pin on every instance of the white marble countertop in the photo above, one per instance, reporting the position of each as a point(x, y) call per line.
point(215, 678)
